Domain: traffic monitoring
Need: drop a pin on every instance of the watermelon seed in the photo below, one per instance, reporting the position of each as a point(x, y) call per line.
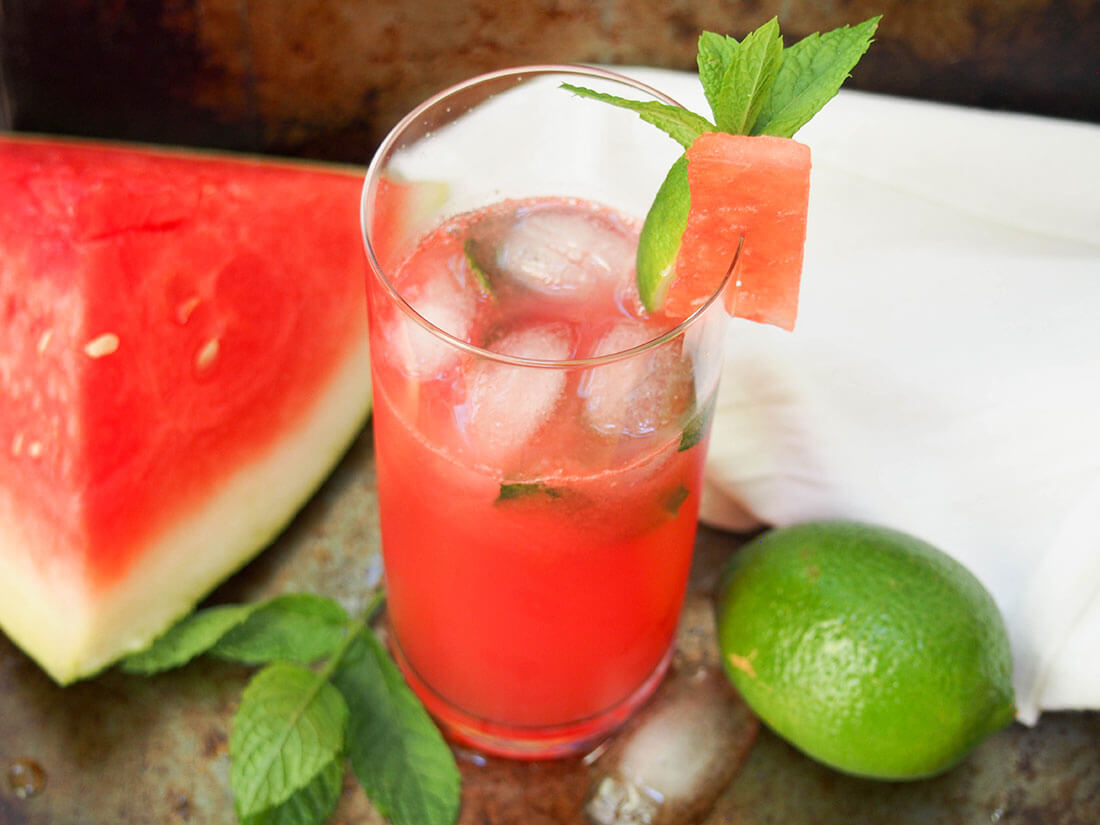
point(207, 354)
point(17, 444)
point(44, 341)
point(105, 344)
point(34, 449)
point(184, 310)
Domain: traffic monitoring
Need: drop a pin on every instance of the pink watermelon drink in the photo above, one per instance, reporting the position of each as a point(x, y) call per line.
point(539, 435)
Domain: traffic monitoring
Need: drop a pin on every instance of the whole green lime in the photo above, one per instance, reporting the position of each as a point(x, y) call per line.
point(866, 648)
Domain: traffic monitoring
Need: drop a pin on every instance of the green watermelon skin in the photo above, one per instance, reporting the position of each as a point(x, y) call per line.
point(183, 359)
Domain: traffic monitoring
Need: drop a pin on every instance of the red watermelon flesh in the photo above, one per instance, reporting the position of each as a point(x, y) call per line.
point(183, 359)
point(757, 187)
point(402, 211)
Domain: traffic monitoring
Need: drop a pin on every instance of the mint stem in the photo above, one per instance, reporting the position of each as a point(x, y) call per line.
point(355, 627)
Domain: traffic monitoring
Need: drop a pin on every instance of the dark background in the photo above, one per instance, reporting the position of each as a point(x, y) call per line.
point(327, 78)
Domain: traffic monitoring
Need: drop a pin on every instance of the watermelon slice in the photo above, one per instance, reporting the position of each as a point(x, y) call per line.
point(183, 359)
point(403, 210)
point(756, 187)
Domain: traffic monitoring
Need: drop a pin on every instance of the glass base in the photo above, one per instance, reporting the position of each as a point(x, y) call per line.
point(521, 742)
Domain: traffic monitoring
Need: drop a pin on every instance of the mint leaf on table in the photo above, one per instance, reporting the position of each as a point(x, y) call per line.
point(812, 72)
point(188, 638)
point(297, 627)
point(310, 805)
point(396, 751)
point(291, 734)
point(291, 724)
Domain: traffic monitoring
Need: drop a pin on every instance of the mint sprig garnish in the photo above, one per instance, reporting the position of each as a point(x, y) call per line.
point(682, 125)
point(812, 72)
point(757, 86)
point(754, 86)
point(750, 68)
point(298, 726)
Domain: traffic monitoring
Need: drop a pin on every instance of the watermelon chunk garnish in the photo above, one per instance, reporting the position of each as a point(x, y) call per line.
point(743, 183)
point(752, 187)
point(183, 360)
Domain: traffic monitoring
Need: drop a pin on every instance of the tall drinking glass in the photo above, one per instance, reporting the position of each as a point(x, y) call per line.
point(539, 436)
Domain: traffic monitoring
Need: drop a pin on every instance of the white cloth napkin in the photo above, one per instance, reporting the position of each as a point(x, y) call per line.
point(944, 374)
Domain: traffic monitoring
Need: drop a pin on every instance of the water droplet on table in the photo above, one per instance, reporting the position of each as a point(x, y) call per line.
point(26, 778)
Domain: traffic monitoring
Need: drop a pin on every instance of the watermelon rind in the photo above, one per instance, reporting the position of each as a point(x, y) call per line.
point(73, 635)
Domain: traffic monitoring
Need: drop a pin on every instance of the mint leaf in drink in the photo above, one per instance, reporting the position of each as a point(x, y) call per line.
point(748, 79)
point(188, 638)
point(812, 73)
point(697, 426)
point(675, 499)
point(526, 489)
point(680, 124)
point(310, 805)
point(297, 627)
point(396, 752)
point(291, 725)
point(470, 250)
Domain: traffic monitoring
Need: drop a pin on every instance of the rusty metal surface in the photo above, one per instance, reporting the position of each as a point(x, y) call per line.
point(328, 78)
point(122, 750)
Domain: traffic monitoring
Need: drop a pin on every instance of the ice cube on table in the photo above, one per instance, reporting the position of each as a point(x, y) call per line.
point(563, 253)
point(445, 304)
point(640, 393)
point(507, 404)
point(676, 757)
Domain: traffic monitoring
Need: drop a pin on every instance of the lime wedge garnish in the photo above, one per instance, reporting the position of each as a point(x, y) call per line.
point(662, 232)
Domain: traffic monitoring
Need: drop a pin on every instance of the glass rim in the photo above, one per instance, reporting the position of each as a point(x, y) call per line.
point(366, 213)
